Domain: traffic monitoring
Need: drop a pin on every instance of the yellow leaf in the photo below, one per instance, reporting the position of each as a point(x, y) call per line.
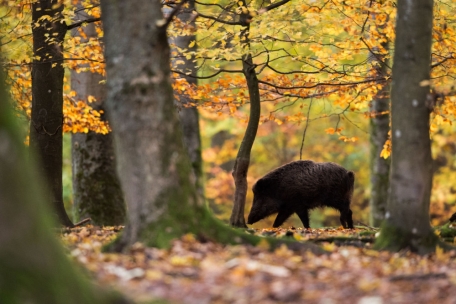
point(329, 246)
point(192, 44)
point(385, 153)
point(425, 83)
point(91, 99)
point(330, 131)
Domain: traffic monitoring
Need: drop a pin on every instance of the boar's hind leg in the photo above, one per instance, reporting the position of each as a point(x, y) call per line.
point(346, 218)
point(282, 217)
point(304, 216)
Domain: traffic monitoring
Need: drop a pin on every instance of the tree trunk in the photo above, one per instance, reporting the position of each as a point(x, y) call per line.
point(153, 166)
point(241, 166)
point(379, 128)
point(407, 218)
point(380, 167)
point(189, 116)
point(96, 187)
point(47, 99)
point(34, 268)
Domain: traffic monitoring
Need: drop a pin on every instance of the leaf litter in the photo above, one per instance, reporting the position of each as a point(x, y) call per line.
point(195, 272)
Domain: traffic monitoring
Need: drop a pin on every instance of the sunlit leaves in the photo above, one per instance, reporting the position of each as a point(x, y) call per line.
point(81, 54)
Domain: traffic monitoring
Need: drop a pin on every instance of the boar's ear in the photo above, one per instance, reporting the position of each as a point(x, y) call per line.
point(351, 176)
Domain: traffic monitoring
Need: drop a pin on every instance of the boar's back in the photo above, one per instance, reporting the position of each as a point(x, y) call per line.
point(306, 181)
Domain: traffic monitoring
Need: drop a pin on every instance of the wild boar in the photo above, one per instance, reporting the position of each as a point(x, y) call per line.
point(300, 186)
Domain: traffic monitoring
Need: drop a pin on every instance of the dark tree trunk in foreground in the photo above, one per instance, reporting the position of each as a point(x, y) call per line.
point(47, 99)
point(406, 222)
point(34, 268)
point(189, 116)
point(96, 187)
point(379, 128)
point(154, 168)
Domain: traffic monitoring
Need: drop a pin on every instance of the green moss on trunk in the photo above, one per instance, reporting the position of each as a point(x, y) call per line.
point(394, 239)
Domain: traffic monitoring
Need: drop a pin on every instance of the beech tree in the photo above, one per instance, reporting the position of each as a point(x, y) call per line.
point(379, 129)
point(407, 222)
point(153, 167)
point(46, 122)
point(96, 188)
point(188, 114)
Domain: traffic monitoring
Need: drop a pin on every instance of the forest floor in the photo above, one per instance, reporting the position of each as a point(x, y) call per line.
point(194, 272)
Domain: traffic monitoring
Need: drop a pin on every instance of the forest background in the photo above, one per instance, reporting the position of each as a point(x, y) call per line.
point(331, 121)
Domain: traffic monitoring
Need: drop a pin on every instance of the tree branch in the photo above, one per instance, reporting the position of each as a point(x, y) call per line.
point(79, 23)
point(275, 5)
point(207, 77)
point(219, 20)
point(323, 84)
point(173, 13)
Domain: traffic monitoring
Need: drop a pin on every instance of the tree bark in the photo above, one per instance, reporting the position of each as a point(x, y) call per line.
point(189, 117)
point(380, 167)
point(34, 268)
point(153, 166)
point(97, 193)
point(407, 218)
point(241, 165)
point(47, 99)
point(379, 128)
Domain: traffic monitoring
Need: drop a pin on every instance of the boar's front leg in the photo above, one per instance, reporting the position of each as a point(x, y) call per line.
point(304, 216)
point(283, 215)
point(346, 218)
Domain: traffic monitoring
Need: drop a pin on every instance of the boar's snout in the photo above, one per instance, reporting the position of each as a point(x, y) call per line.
point(253, 217)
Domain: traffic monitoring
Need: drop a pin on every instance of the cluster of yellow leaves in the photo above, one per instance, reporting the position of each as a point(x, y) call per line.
point(80, 117)
point(310, 57)
point(194, 272)
point(81, 54)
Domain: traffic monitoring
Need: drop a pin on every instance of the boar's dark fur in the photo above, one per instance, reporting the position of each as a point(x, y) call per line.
point(300, 186)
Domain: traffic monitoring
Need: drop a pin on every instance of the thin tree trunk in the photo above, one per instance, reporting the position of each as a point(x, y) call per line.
point(153, 166)
point(380, 167)
point(47, 99)
point(241, 165)
point(96, 188)
point(34, 268)
point(189, 116)
point(379, 128)
point(407, 218)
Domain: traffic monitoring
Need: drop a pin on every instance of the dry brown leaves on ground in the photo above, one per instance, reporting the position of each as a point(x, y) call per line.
point(194, 272)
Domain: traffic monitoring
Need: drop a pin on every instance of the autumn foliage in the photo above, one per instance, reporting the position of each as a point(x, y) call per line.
point(315, 79)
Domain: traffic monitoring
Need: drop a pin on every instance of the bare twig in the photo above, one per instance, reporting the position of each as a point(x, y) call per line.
point(305, 129)
point(82, 22)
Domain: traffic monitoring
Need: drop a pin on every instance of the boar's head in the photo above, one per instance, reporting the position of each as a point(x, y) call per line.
point(263, 204)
